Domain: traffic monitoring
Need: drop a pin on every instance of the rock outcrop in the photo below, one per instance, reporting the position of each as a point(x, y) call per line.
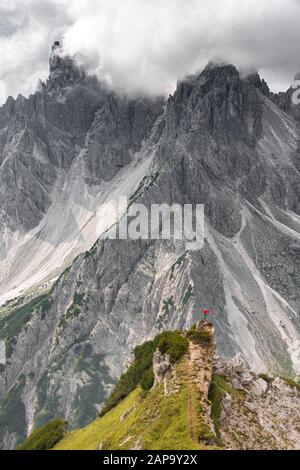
point(258, 412)
point(161, 365)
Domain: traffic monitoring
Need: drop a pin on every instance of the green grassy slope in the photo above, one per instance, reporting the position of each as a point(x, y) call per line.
point(147, 419)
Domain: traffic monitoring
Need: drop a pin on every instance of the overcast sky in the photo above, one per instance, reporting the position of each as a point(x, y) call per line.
point(146, 45)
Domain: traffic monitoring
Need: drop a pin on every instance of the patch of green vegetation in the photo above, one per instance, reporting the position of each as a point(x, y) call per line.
point(46, 437)
point(84, 351)
point(147, 380)
point(11, 304)
point(47, 403)
point(92, 251)
point(93, 390)
point(131, 378)
point(266, 377)
point(177, 264)
point(199, 336)
point(218, 389)
point(169, 342)
point(58, 363)
point(187, 295)
point(146, 183)
point(291, 382)
point(173, 344)
point(78, 298)
point(74, 310)
point(13, 323)
point(9, 346)
point(63, 276)
point(167, 306)
point(282, 365)
point(13, 412)
point(202, 431)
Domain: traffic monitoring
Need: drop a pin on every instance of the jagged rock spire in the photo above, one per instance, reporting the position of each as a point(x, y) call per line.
point(55, 55)
point(63, 68)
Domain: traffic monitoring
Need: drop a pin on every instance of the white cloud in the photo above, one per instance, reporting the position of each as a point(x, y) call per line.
point(27, 28)
point(3, 93)
point(147, 44)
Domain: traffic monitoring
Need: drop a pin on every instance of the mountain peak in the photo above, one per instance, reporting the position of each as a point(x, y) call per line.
point(56, 44)
point(64, 70)
point(56, 55)
point(216, 101)
point(254, 79)
point(221, 67)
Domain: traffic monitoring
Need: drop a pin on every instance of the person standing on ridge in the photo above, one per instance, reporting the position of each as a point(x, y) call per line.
point(205, 314)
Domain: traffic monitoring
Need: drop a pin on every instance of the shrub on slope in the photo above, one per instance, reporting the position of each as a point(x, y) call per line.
point(140, 372)
point(46, 437)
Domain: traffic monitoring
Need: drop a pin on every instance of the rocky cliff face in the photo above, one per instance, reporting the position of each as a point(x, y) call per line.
point(222, 142)
point(257, 412)
point(58, 150)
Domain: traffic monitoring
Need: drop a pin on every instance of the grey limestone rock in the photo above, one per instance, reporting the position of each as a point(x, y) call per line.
point(161, 365)
point(220, 141)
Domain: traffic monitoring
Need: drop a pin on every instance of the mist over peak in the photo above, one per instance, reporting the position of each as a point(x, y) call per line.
point(146, 46)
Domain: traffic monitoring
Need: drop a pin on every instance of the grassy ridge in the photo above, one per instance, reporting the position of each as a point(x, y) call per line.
point(138, 415)
point(149, 419)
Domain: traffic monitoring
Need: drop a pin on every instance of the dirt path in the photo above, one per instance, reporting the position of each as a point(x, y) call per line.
point(199, 372)
point(191, 414)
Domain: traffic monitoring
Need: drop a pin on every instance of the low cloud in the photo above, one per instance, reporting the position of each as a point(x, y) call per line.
point(27, 27)
point(146, 45)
